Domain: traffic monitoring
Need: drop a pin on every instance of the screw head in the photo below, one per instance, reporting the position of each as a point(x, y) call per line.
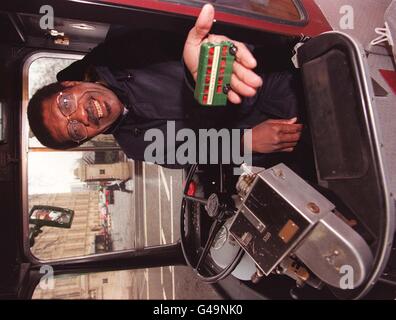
point(279, 173)
point(233, 50)
point(226, 88)
point(313, 207)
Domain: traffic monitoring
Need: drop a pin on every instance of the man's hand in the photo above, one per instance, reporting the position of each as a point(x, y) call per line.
point(244, 82)
point(275, 136)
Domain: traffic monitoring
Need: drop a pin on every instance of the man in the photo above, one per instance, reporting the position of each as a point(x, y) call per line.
point(126, 92)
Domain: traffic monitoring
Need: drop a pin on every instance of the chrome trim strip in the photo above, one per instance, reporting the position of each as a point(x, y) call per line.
point(372, 122)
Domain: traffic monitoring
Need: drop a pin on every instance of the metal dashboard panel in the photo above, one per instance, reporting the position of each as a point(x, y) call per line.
point(332, 248)
point(297, 192)
point(279, 210)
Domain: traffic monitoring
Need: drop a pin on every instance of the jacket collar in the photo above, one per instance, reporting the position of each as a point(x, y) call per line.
point(106, 78)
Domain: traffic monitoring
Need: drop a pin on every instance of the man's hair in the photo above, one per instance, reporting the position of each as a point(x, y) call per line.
point(36, 120)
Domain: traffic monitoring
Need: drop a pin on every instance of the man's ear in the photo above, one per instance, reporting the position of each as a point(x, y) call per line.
point(68, 84)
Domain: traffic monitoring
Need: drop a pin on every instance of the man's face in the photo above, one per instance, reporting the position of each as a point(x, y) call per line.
point(96, 109)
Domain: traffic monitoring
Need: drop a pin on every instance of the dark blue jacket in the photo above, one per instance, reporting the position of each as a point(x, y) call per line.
point(146, 72)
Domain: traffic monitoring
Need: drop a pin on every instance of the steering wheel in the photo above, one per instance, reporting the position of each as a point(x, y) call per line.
point(218, 208)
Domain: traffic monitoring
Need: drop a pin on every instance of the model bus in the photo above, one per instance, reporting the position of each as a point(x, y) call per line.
point(214, 73)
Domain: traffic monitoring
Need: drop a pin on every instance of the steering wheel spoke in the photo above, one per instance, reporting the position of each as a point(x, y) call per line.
point(196, 199)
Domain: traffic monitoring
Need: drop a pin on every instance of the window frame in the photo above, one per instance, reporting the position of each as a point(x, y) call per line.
point(317, 22)
point(304, 20)
point(155, 256)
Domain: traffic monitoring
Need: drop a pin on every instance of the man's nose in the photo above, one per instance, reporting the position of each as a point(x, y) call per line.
point(81, 114)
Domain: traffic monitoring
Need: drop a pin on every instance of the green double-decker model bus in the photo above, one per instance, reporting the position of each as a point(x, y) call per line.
point(214, 73)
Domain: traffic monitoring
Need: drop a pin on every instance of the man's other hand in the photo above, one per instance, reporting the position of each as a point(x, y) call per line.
point(244, 82)
point(275, 136)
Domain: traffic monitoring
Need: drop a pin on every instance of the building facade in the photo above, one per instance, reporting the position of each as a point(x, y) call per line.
point(79, 240)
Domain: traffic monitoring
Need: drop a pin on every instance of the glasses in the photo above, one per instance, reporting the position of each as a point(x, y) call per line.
point(67, 106)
